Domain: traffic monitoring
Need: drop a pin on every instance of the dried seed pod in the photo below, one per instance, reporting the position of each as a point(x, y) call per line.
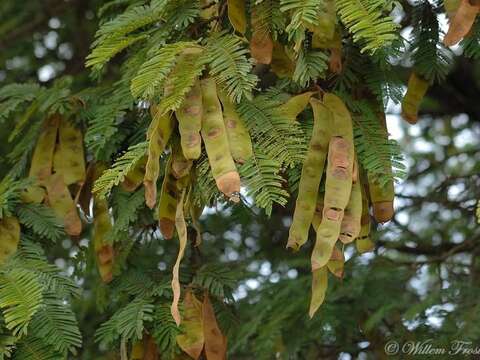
point(319, 288)
point(216, 143)
point(9, 237)
point(69, 158)
point(189, 117)
point(167, 205)
point(181, 227)
point(237, 15)
point(417, 88)
point(42, 159)
point(311, 175)
point(138, 351)
point(134, 177)
point(462, 22)
point(158, 135)
point(192, 339)
point(261, 43)
point(215, 341)
point(338, 182)
point(61, 202)
point(238, 137)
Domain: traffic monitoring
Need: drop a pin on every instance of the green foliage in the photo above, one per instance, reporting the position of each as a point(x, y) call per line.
point(56, 324)
point(10, 191)
point(127, 323)
point(42, 220)
point(165, 330)
point(229, 65)
point(20, 298)
point(367, 21)
point(431, 59)
point(116, 174)
point(14, 95)
point(310, 66)
point(219, 281)
point(470, 43)
point(264, 181)
point(35, 348)
point(302, 14)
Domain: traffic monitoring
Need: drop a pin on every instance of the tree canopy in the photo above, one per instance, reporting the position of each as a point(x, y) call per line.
point(272, 179)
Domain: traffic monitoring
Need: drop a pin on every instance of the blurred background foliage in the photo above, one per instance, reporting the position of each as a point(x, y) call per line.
point(421, 282)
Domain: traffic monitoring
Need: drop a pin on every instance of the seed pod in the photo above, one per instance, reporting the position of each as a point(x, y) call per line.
point(168, 203)
point(261, 43)
point(42, 159)
point(61, 202)
point(237, 15)
point(180, 166)
point(216, 143)
point(335, 61)
point(382, 198)
point(462, 22)
point(33, 194)
point(158, 135)
point(215, 341)
point(137, 351)
point(319, 288)
point(237, 133)
point(295, 105)
point(338, 182)
point(134, 177)
point(311, 175)
point(69, 158)
point(181, 227)
point(451, 7)
point(363, 242)
point(102, 226)
point(351, 222)
point(282, 64)
point(189, 117)
point(192, 339)
point(9, 237)
point(336, 263)
point(417, 88)
point(318, 214)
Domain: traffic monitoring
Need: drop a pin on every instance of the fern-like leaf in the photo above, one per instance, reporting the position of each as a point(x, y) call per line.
point(367, 21)
point(42, 220)
point(20, 298)
point(226, 55)
point(116, 174)
point(55, 322)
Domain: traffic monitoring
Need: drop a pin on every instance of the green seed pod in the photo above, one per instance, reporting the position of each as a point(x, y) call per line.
point(102, 225)
point(189, 117)
point(351, 222)
point(167, 205)
point(382, 198)
point(336, 263)
point(295, 105)
point(363, 242)
point(33, 194)
point(237, 133)
point(158, 135)
point(61, 202)
point(42, 159)
point(338, 182)
point(180, 165)
point(311, 175)
point(9, 237)
point(216, 142)
point(417, 88)
point(69, 158)
point(134, 177)
point(319, 288)
point(237, 15)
